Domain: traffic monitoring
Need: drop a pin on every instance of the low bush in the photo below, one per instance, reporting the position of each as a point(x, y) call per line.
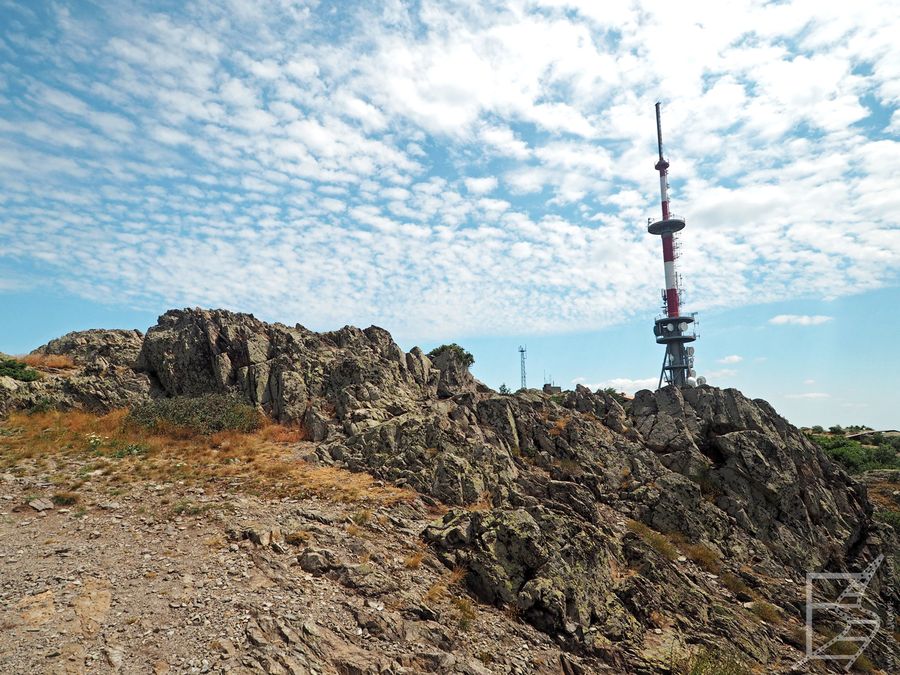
point(465, 612)
point(17, 370)
point(200, 415)
point(65, 498)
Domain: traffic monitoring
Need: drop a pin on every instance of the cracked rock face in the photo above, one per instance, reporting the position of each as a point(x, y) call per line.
point(547, 496)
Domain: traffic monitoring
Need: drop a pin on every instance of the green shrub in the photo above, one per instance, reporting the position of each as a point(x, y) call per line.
point(207, 414)
point(65, 498)
point(17, 370)
point(892, 518)
point(458, 353)
point(856, 457)
point(42, 405)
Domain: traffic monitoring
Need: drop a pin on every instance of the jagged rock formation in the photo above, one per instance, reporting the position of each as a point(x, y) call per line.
point(105, 378)
point(544, 490)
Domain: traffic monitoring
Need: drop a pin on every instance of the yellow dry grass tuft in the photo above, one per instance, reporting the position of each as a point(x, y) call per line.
point(261, 462)
point(439, 590)
point(560, 425)
point(656, 540)
point(48, 361)
point(414, 560)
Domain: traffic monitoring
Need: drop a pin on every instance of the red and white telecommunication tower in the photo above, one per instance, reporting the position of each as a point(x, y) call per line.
point(673, 329)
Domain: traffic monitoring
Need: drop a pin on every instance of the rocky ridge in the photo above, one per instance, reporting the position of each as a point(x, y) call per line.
point(550, 497)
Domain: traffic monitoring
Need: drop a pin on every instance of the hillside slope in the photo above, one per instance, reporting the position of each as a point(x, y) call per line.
point(631, 539)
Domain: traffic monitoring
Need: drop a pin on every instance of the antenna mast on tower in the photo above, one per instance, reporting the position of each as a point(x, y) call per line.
point(522, 351)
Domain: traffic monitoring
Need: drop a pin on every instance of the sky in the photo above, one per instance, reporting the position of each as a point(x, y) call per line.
point(477, 172)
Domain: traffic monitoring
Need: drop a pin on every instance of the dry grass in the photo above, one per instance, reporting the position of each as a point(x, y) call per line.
point(465, 612)
point(48, 361)
point(484, 503)
point(882, 495)
point(414, 560)
point(361, 517)
point(701, 554)
point(262, 462)
point(297, 537)
point(68, 498)
point(735, 584)
point(656, 540)
point(440, 589)
point(766, 611)
point(560, 425)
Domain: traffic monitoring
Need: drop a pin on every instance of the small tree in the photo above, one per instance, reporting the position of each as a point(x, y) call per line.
point(458, 352)
point(817, 429)
point(837, 430)
point(618, 395)
point(504, 389)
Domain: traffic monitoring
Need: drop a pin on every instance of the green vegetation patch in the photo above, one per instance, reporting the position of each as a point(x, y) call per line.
point(892, 518)
point(856, 457)
point(200, 415)
point(458, 353)
point(17, 370)
point(714, 662)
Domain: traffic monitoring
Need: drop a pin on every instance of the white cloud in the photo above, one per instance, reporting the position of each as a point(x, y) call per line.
point(494, 161)
point(809, 395)
point(482, 185)
point(627, 384)
point(799, 320)
point(733, 358)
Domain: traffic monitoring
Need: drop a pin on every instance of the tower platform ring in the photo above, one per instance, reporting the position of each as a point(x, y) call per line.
point(666, 226)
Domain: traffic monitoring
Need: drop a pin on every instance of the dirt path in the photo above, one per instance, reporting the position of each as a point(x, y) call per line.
point(170, 579)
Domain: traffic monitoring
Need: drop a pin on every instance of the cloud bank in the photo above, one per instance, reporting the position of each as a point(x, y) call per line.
point(447, 168)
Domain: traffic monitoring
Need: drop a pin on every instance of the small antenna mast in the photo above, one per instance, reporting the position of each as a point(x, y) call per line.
point(522, 351)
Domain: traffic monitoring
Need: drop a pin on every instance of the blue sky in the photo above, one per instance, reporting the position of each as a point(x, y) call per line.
point(468, 171)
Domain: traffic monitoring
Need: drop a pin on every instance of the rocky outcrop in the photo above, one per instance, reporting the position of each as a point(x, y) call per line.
point(353, 377)
point(98, 349)
point(570, 510)
point(103, 377)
